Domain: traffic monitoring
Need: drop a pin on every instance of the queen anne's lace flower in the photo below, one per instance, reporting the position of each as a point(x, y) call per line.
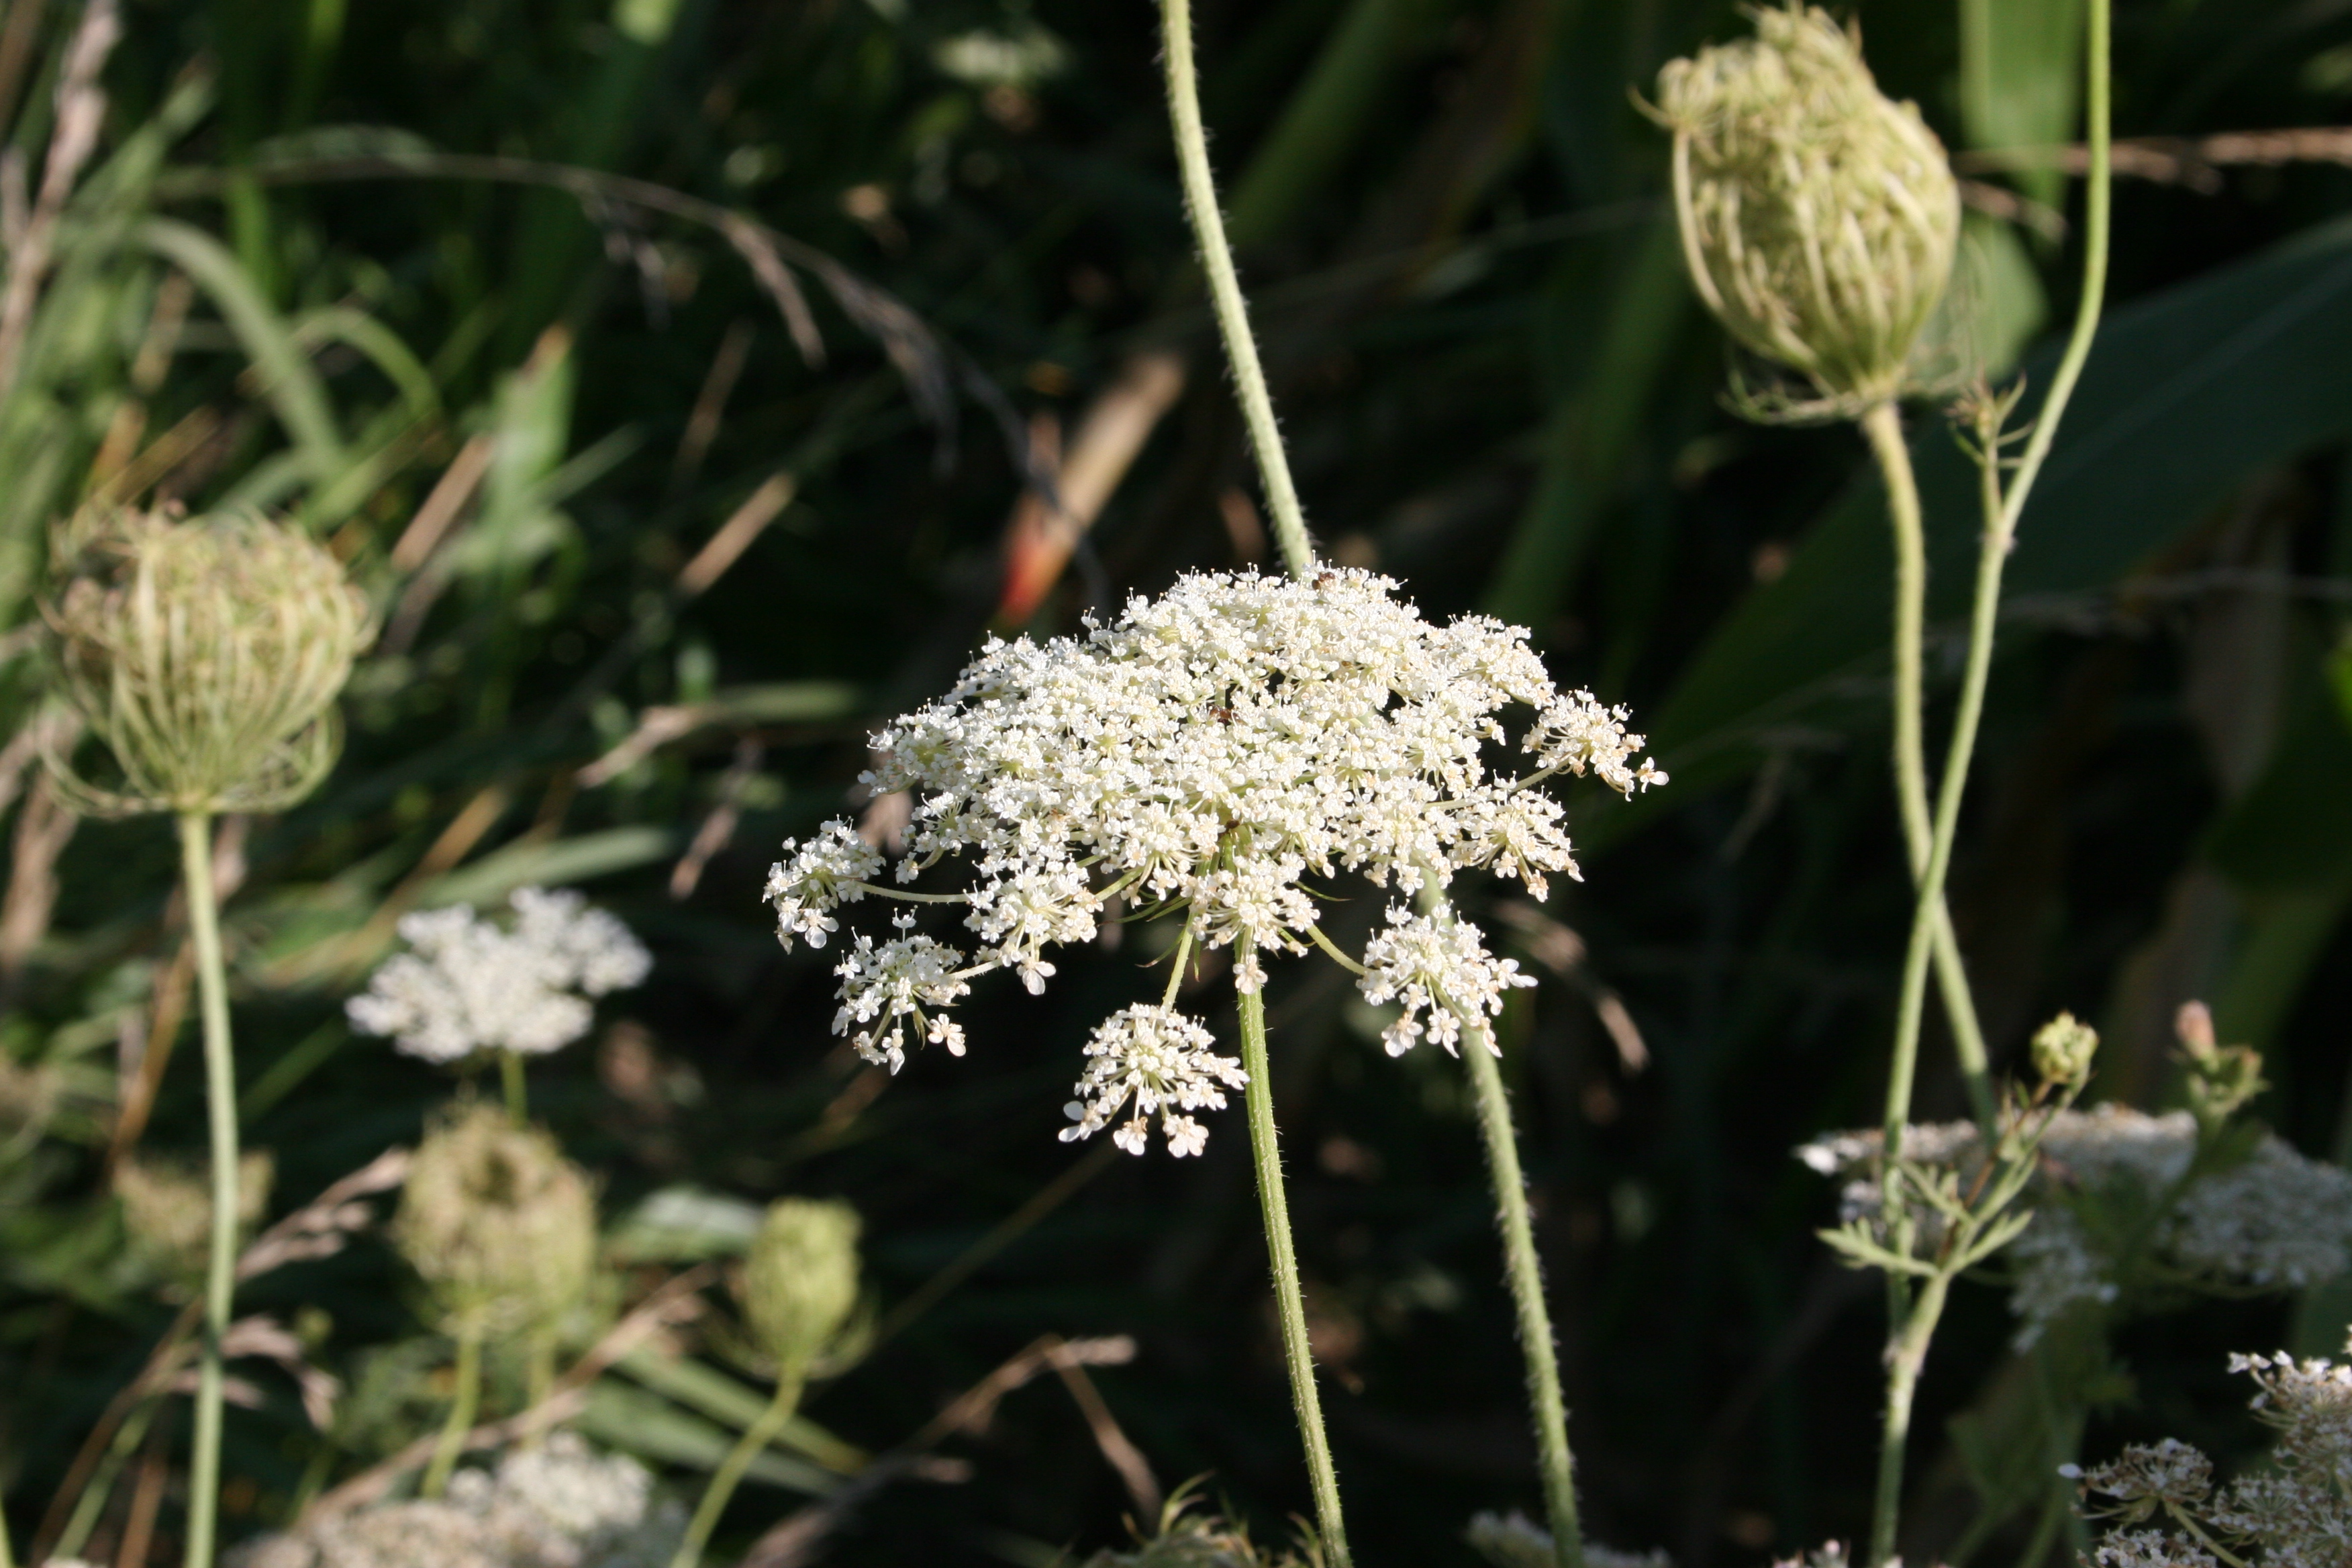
point(1438, 967)
point(905, 980)
point(468, 983)
point(2295, 1513)
point(1208, 753)
point(1162, 1060)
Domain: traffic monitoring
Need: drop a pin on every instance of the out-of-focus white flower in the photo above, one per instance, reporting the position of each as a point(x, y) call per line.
point(1207, 754)
point(468, 983)
point(1161, 1059)
point(2273, 1219)
point(559, 1505)
point(1515, 1541)
point(1436, 967)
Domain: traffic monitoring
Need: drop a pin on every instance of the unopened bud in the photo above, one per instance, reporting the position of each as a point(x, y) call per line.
point(2222, 1078)
point(1819, 217)
point(2062, 1050)
point(800, 1282)
point(207, 656)
point(167, 1207)
point(500, 1226)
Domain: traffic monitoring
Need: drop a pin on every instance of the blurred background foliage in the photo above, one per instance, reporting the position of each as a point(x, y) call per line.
point(667, 491)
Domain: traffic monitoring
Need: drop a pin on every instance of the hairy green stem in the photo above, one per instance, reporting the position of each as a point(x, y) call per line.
point(518, 1094)
point(220, 1098)
point(1884, 429)
point(1905, 1359)
point(1525, 1269)
point(1289, 1301)
point(1225, 289)
point(463, 1403)
point(730, 1473)
point(2001, 529)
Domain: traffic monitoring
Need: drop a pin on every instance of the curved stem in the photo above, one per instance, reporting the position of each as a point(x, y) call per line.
point(1993, 557)
point(730, 1473)
point(1885, 431)
point(1289, 1301)
point(1525, 1271)
point(220, 1098)
point(1225, 289)
point(467, 1400)
point(1176, 967)
point(510, 1076)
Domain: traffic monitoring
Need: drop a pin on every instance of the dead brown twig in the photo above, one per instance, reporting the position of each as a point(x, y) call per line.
point(2195, 162)
point(791, 1541)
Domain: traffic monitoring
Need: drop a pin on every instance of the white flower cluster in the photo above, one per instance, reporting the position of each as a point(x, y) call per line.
point(2297, 1511)
point(1515, 1541)
point(468, 983)
point(1209, 751)
point(560, 1505)
point(895, 982)
point(1161, 1059)
point(2273, 1219)
point(1439, 967)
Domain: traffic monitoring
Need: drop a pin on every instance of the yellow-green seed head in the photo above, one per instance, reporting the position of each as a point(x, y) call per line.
point(167, 1207)
point(800, 1283)
point(1819, 217)
point(206, 654)
point(500, 1226)
point(2062, 1050)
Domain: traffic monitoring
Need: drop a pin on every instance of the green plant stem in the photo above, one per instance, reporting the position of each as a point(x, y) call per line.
point(730, 1473)
point(1225, 289)
point(7, 1555)
point(1884, 428)
point(2000, 530)
point(518, 1096)
point(1905, 1359)
point(463, 1403)
point(220, 1097)
point(1289, 1301)
point(1525, 1271)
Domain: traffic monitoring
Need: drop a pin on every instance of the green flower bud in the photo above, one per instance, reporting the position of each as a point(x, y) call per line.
point(800, 1282)
point(2062, 1050)
point(1819, 217)
point(2222, 1078)
point(500, 1226)
point(167, 1207)
point(207, 656)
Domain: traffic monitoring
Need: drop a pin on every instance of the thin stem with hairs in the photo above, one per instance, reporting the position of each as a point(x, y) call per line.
point(1884, 428)
point(1290, 1301)
point(2001, 527)
point(1225, 289)
point(1525, 1268)
point(220, 1097)
point(730, 1473)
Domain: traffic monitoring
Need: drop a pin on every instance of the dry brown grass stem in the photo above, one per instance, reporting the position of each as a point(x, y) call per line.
point(81, 113)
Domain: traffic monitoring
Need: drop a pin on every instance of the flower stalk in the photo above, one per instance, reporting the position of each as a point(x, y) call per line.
point(1525, 1269)
point(220, 1258)
point(1290, 1301)
point(2002, 513)
point(729, 1473)
point(1225, 289)
point(464, 1402)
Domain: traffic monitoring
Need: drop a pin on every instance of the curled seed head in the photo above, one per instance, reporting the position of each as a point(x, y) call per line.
point(167, 1207)
point(800, 1282)
point(2062, 1050)
point(1819, 217)
point(206, 654)
point(500, 1226)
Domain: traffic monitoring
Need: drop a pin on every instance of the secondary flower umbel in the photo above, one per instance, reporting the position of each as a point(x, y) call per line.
point(1207, 752)
point(468, 983)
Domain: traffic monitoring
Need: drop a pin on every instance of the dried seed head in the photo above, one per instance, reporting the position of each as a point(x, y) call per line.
point(167, 1207)
point(207, 655)
point(500, 1225)
point(800, 1282)
point(1819, 217)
